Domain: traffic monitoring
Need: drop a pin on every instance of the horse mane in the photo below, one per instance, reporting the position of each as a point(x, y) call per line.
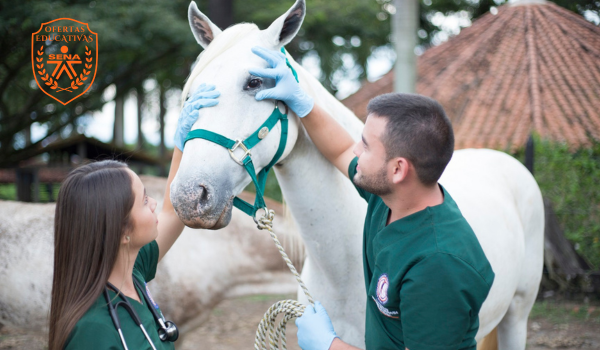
point(220, 44)
point(334, 107)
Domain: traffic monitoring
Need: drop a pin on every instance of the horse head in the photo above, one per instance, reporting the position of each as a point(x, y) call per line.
point(208, 178)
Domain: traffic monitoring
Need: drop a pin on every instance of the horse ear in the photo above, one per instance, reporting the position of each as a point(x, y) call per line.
point(203, 29)
point(285, 28)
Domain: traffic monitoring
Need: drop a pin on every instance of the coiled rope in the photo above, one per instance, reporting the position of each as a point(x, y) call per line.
point(290, 308)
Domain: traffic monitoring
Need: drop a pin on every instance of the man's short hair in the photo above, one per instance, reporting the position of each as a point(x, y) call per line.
point(417, 129)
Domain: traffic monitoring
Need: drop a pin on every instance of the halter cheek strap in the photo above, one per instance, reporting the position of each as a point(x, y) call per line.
point(246, 145)
point(246, 160)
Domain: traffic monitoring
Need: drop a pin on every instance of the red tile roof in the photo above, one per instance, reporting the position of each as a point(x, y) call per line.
point(531, 67)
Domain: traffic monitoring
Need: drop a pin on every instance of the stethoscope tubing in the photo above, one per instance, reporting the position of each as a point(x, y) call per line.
point(129, 308)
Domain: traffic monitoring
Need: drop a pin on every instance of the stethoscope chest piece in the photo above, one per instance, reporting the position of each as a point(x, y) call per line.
point(169, 333)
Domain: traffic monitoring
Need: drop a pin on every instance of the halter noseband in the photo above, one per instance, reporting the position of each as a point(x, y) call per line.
point(246, 145)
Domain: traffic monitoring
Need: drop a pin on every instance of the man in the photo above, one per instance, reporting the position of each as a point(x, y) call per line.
point(426, 275)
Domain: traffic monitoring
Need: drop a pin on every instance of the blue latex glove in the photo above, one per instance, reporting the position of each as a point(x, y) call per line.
point(286, 87)
point(315, 331)
point(204, 96)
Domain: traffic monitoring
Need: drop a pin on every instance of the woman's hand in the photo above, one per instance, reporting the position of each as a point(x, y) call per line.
point(204, 96)
point(169, 225)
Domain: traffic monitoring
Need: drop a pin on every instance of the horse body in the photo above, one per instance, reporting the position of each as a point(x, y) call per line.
point(496, 194)
point(26, 263)
point(503, 204)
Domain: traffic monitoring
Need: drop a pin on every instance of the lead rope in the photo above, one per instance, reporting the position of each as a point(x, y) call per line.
point(290, 308)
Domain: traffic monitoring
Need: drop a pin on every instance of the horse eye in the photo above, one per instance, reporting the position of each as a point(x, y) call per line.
point(254, 83)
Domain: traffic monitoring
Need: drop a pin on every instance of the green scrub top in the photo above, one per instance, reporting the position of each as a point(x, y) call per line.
point(95, 330)
point(426, 277)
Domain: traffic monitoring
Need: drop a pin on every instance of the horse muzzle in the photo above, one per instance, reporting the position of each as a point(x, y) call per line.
point(198, 205)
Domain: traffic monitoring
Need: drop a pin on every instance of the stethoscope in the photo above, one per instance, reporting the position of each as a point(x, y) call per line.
point(168, 330)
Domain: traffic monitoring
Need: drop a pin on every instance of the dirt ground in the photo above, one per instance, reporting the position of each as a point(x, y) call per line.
point(232, 325)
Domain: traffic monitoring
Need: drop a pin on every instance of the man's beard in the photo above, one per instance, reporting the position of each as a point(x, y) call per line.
point(376, 184)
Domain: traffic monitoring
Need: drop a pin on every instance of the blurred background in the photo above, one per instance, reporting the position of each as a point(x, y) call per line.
point(522, 77)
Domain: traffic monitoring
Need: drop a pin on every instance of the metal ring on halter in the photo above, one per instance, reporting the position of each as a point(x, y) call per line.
point(266, 213)
point(239, 143)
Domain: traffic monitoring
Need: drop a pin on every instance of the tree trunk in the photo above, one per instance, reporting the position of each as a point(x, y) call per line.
point(140, 103)
point(404, 30)
point(27, 135)
point(118, 139)
point(529, 154)
point(27, 184)
point(221, 12)
point(564, 265)
point(161, 119)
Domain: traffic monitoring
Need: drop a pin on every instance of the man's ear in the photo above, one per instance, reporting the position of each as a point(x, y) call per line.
point(400, 169)
point(203, 29)
point(285, 28)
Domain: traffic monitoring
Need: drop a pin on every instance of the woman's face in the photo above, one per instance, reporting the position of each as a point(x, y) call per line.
point(143, 217)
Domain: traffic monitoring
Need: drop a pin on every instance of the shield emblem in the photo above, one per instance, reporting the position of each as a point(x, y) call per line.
point(64, 58)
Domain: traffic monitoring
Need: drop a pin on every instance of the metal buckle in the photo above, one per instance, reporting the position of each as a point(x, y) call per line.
point(239, 143)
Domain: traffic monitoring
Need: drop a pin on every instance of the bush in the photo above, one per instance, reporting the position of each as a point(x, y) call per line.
point(571, 180)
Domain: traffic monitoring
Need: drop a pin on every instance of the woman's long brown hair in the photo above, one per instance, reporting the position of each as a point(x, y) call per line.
point(92, 214)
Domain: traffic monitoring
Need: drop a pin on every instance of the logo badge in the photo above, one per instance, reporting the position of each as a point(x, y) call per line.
point(382, 288)
point(64, 58)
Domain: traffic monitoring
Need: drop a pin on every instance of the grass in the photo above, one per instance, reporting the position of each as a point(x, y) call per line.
point(564, 312)
point(9, 192)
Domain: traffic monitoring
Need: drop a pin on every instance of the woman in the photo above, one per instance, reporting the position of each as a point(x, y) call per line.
point(108, 241)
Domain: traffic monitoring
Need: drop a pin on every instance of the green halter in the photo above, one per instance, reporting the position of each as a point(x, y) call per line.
point(246, 161)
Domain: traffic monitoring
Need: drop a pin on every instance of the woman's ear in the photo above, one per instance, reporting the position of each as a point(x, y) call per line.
point(125, 239)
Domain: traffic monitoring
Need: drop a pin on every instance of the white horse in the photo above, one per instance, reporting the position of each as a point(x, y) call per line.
point(496, 194)
point(201, 269)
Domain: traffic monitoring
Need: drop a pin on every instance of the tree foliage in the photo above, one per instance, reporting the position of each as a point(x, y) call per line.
point(364, 20)
point(476, 8)
point(569, 178)
point(152, 39)
point(136, 40)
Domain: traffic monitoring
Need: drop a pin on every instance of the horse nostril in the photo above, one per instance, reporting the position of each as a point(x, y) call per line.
point(203, 195)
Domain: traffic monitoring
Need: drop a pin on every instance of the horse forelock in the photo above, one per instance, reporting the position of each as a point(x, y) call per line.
point(223, 42)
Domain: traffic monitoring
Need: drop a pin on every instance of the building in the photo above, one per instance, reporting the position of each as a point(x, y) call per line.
point(533, 67)
point(48, 166)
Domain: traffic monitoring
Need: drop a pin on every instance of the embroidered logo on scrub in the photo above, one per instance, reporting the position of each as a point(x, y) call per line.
point(382, 288)
point(382, 296)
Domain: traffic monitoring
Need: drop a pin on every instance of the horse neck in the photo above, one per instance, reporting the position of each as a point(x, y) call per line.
point(323, 202)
